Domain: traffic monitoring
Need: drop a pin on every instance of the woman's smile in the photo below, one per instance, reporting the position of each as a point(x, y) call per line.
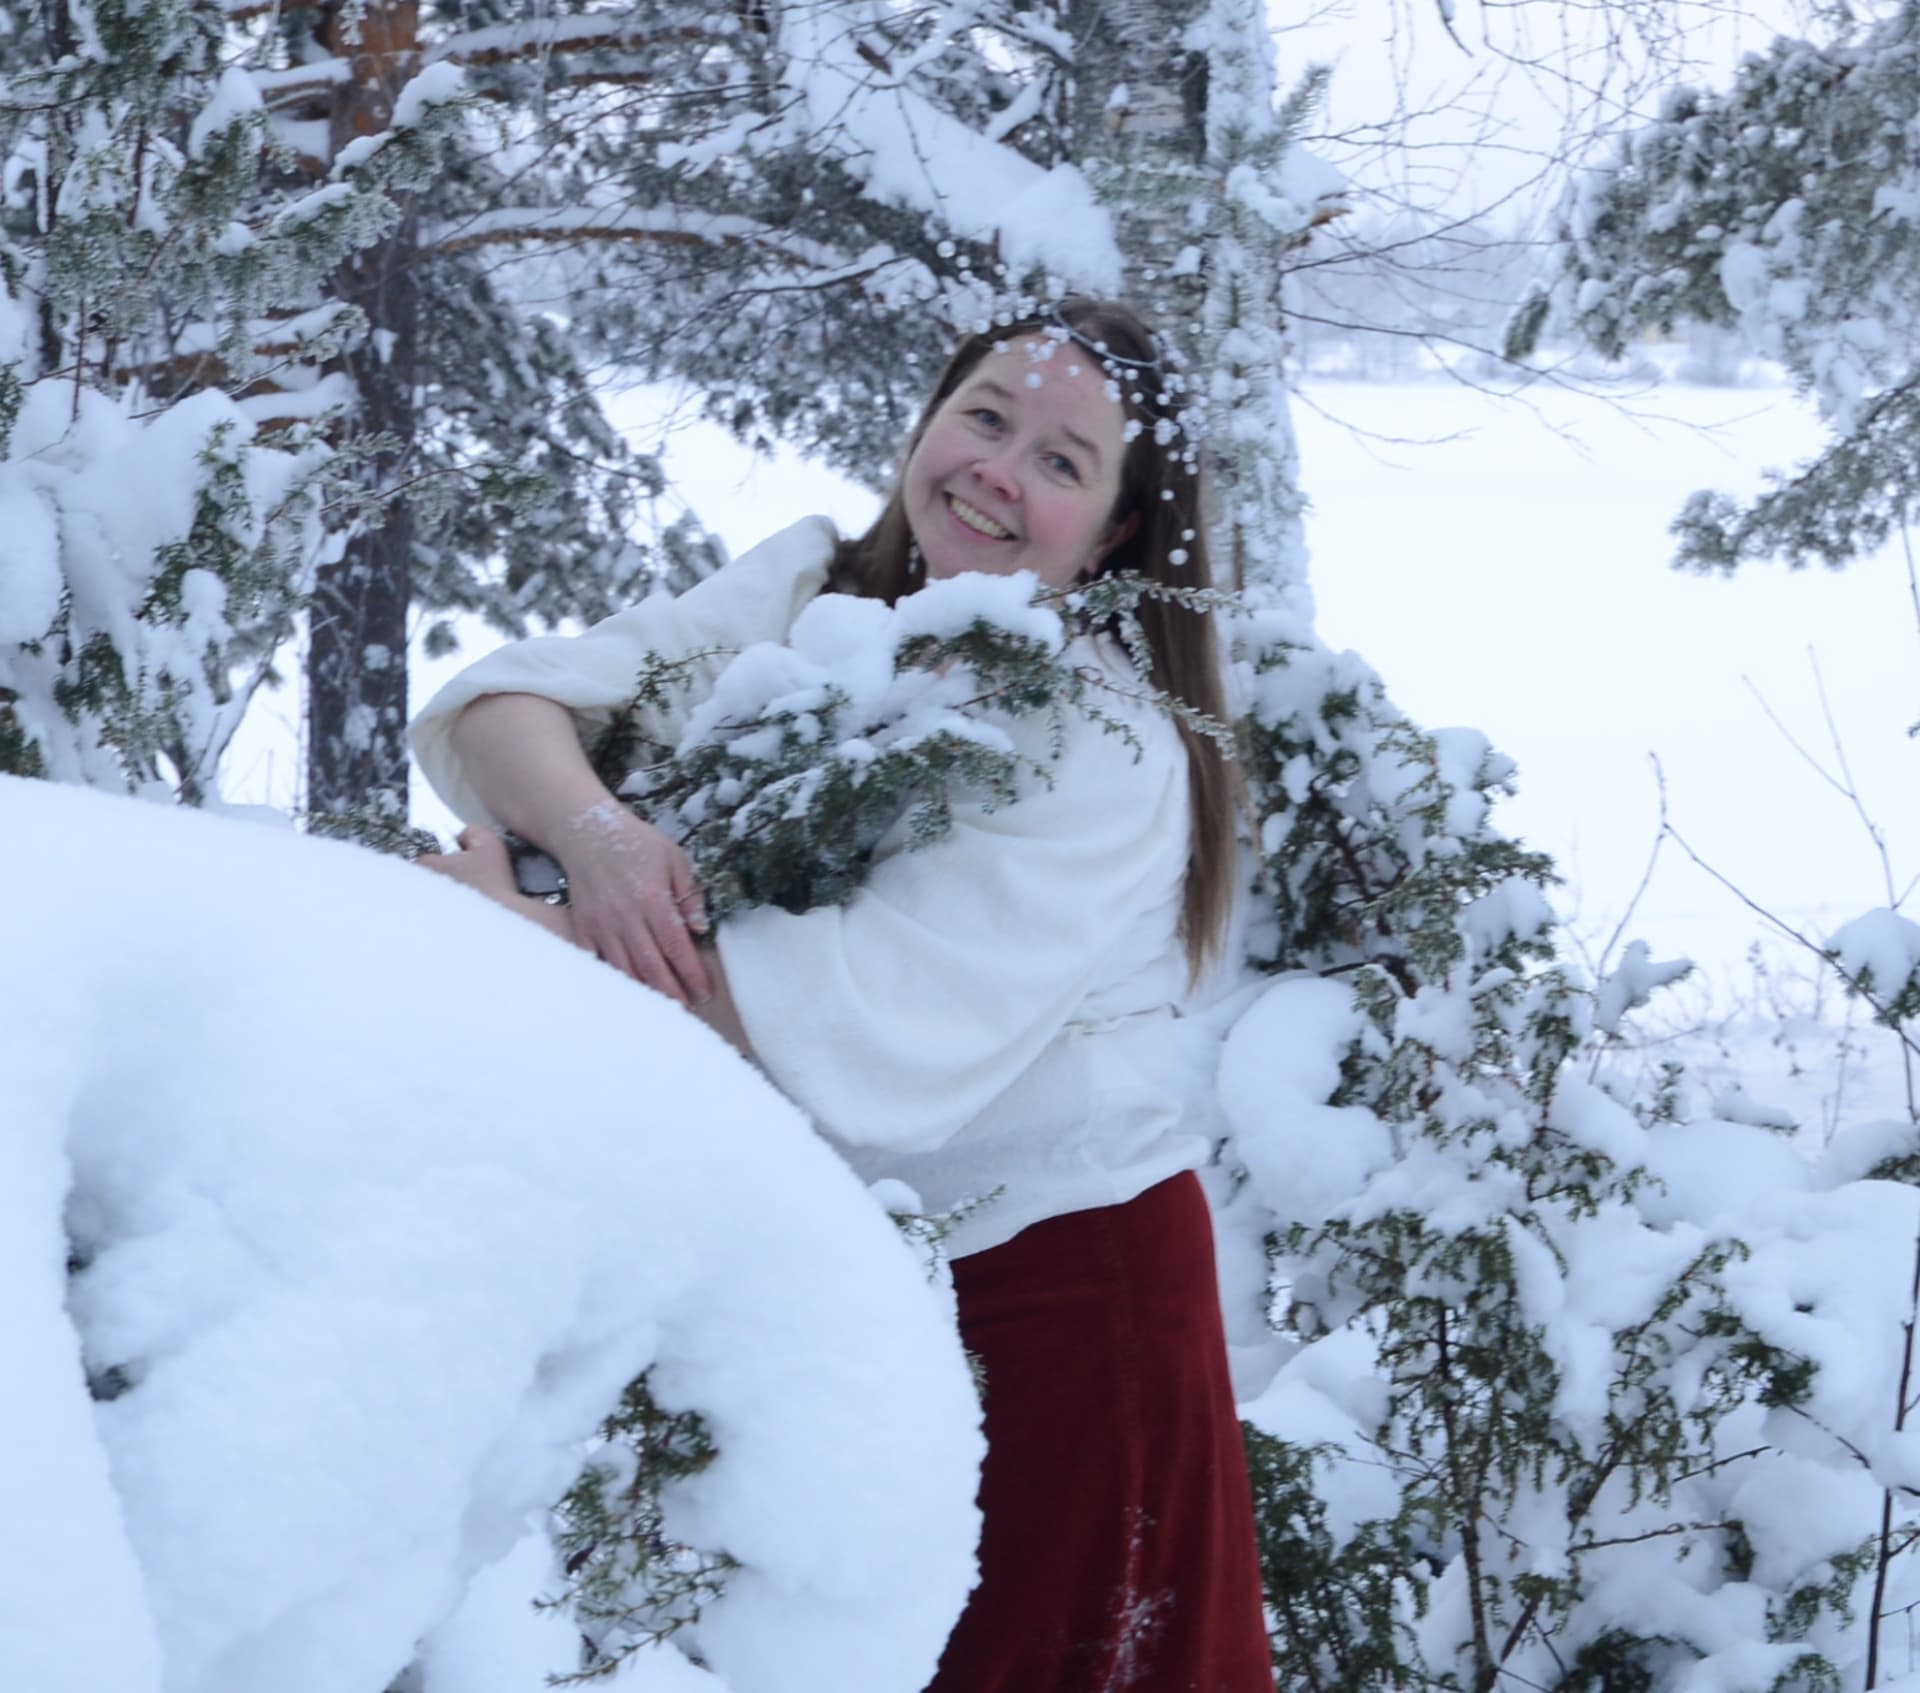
point(972, 517)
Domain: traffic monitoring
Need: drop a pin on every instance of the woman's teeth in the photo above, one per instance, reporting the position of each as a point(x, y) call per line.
point(977, 520)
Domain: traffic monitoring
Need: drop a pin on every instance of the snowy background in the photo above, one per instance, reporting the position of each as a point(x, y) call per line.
point(338, 1210)
point(1584, 655)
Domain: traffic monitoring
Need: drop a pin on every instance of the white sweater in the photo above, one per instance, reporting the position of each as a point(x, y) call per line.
point(989, 1014)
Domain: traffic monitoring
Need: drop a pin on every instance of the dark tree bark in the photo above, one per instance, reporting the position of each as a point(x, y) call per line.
point(357, 653)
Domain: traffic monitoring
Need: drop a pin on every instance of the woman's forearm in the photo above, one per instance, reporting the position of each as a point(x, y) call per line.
point(521, 756)
point(633, 898)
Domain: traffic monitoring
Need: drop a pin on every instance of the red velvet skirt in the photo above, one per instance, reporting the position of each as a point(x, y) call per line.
point(1117, 1550)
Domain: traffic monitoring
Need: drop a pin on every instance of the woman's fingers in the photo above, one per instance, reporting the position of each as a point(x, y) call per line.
point(645, 964)
point(636, 904)
point(687, 897)
point(488, 849)
point(630, 944)
point(676, 943)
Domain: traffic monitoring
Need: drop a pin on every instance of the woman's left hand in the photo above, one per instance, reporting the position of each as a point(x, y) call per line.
point(482, 864)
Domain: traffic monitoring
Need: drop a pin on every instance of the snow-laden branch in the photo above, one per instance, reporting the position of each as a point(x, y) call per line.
point(355, 1259)
point(911, 154)
point(617, 223)
point(515, 43)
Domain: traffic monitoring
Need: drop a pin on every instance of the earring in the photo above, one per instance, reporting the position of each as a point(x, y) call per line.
point(916, 565)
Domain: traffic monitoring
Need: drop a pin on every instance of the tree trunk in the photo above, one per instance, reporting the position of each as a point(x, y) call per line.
point(1159, 128)
point(357, 650)
point(1139, 131)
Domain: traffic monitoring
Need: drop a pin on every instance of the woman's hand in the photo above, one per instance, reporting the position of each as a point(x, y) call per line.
point(634, 901)
point(481, 864)
point(632, 894)
point(484, 865)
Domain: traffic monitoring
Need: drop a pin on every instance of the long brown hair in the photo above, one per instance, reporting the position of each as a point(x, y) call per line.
point(1159, 486)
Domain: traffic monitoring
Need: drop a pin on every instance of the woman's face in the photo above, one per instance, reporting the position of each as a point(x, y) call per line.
point(1020, 467)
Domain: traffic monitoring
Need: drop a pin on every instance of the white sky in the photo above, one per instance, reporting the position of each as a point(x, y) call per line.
point(1486, 113)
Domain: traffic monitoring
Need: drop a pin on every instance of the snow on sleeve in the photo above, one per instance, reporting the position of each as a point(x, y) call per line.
point(369, 1251)
point(754, 598)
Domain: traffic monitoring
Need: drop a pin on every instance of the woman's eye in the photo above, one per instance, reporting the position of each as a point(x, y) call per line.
point(1061, 465)
point(985, 415)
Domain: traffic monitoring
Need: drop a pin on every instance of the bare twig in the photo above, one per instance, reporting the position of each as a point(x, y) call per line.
point(1885, 1554)
point(1781, 926)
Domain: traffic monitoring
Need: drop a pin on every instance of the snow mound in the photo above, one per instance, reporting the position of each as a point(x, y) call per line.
point(377, 1197)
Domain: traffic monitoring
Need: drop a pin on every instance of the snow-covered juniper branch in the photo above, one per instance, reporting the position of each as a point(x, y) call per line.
point(868, 719)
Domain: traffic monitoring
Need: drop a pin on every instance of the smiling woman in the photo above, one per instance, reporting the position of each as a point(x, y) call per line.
point(1019, 468)
point(989, 1019)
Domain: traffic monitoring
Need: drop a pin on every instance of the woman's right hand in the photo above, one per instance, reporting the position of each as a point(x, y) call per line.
point(634, 900)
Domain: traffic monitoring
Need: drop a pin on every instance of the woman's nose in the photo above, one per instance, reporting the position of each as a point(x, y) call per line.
point(996, 471)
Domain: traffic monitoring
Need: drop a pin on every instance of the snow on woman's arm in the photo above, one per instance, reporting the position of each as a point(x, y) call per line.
point(897, 1017)
point(594, 675)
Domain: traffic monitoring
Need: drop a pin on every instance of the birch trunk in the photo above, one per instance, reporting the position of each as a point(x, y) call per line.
point(1174, 122)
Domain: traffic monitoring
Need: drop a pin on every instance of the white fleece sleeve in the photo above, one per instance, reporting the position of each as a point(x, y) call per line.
point(897, 1018)
point(754, 598)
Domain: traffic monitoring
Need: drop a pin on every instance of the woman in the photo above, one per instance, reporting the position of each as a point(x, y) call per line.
point(988, 1019)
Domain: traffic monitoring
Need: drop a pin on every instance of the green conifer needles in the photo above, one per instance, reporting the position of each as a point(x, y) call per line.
point(870, 721)
point(1786, 208)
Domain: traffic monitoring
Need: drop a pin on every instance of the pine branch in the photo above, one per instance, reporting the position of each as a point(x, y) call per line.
point(532, 42)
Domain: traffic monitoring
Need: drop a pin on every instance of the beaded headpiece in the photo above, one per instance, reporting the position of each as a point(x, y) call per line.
point(1158, 390)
